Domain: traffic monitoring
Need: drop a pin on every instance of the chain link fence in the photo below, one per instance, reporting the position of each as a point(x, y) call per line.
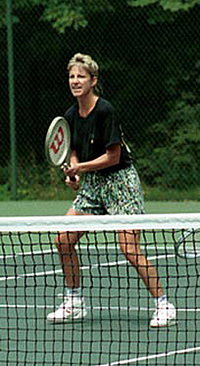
point(149, 70)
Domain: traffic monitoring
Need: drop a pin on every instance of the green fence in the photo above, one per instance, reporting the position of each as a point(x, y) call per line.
point(149, 57)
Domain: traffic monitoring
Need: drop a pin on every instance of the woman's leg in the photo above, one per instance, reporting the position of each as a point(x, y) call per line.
point(129, 244)
point(65, 243)
point(165, 313)
point(73, 306)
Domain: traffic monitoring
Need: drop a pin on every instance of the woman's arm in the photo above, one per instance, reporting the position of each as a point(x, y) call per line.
point(110, 158)
point(73, 161)
point(73, 158)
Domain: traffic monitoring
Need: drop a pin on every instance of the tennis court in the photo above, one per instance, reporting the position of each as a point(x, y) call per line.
point(116, 330)
point(32, 208)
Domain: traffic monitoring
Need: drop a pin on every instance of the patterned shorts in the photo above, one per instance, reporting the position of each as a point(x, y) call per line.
point(116, 193)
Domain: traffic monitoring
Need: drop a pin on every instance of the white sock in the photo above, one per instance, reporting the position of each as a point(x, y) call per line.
point(159, 300)
point(73, 291)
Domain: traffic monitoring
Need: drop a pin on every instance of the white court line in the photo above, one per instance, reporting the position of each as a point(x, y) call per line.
point(110, 264)
point(36, 274)
point(27, 253)
point(105, 308)
point(82, 246)
point(107, 264)
point(152, 357)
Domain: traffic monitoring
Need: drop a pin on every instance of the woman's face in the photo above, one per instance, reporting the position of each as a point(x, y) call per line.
point(80, 82)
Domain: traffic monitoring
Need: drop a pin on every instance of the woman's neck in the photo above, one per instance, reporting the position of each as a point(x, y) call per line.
point(86, 105)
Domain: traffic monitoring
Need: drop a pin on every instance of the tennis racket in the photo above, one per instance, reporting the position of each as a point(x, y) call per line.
point(57, 143)
point(188, 244)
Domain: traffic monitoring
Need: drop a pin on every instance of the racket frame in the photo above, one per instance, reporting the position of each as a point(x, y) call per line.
point(51, 133)
point(181, 242)
point(51, 136)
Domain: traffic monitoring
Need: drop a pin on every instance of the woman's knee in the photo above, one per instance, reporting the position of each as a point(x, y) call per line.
point(132, 253)
point(61, 242)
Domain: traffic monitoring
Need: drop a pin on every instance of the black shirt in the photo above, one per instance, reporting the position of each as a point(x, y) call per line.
point(90, 136)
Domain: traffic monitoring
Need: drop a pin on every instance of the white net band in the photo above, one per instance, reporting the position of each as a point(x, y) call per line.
point(104, 222)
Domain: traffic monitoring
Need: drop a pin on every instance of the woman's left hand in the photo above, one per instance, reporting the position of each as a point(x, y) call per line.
point(71, 171)
point(74, 184)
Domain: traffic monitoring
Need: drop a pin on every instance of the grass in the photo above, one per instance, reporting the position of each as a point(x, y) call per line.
point(56, 190)
point(169, 194)
point(46, 183)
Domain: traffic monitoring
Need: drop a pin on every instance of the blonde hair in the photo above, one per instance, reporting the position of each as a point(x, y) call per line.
point(88, 64)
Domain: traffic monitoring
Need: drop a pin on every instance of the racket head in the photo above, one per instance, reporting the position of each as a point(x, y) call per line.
point(57, 142)
point(188, 245)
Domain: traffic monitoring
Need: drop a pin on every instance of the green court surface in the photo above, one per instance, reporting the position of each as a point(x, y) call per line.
point(116, 329)
point(40, 208)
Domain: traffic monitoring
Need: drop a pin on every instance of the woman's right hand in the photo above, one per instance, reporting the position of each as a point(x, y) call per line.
point(74, 184)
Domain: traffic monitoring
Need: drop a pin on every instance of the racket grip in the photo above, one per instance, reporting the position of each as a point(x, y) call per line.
point(65, 165)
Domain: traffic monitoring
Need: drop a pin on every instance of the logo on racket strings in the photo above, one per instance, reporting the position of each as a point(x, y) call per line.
point(58, 140)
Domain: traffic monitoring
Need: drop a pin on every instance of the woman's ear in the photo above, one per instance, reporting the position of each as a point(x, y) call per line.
point(94, 81)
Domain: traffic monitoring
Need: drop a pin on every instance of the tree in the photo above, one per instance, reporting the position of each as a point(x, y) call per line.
point(76, 13)
point(61, 14)
point(172, 5)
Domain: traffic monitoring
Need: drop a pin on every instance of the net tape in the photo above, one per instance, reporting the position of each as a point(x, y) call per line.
point(100, 222)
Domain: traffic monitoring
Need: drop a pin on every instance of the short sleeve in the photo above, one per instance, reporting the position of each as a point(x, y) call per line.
point(111, 133)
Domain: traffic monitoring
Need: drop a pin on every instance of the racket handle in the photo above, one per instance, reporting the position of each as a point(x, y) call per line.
point(65, 165)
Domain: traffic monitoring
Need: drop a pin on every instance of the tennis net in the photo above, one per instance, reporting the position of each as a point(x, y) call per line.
point(116, 329)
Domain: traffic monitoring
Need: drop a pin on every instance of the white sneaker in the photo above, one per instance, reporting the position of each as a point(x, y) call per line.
point(73, 307)
point(164, 315)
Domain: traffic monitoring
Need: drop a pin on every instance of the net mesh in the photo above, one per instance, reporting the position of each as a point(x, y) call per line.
point(116, 330)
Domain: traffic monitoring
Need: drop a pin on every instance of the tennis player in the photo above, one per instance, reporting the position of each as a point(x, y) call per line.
point(109, 185)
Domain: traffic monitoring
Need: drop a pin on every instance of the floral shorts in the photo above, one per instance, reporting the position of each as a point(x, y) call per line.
point(115, 193)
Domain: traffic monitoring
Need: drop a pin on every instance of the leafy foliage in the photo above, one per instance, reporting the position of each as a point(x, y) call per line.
point(65, 15)
point(69, 13)
point(61, 14)
point(174, 161)
point(172, 5)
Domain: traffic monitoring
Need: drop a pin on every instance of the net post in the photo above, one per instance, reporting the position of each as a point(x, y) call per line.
point(9, 22)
